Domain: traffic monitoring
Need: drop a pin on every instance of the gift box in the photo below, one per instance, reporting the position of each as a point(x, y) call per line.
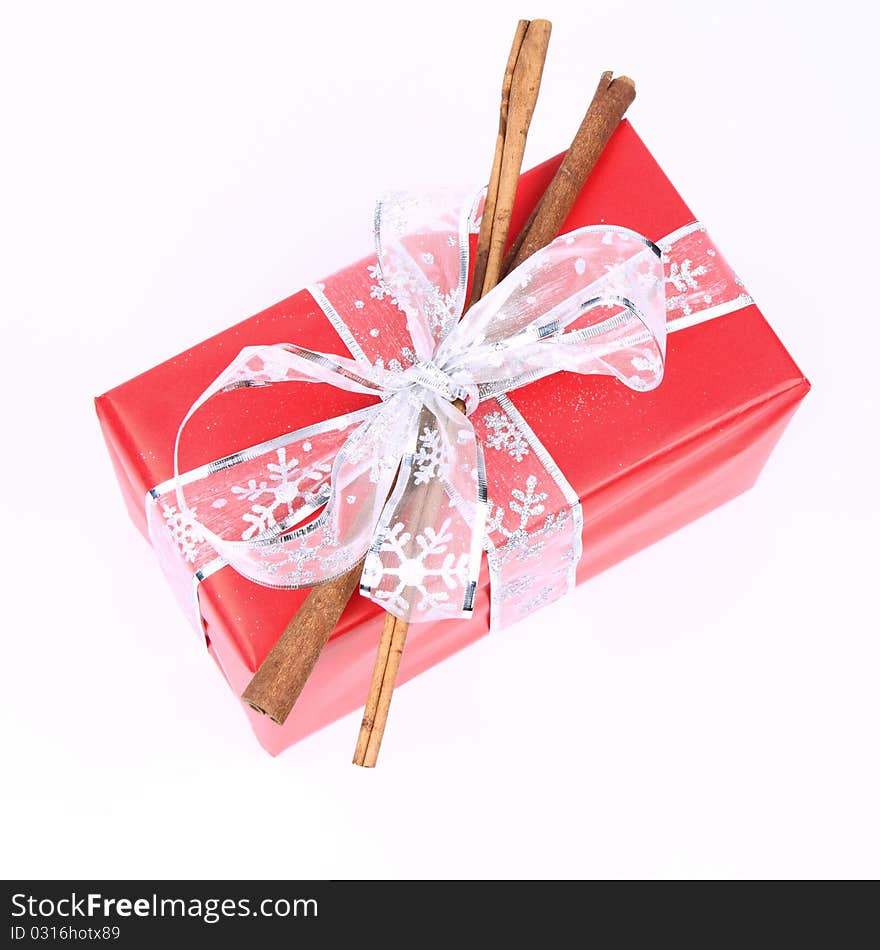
point(641, 464)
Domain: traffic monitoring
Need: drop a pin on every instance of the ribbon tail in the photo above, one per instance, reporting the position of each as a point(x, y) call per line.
point(533, 533)
point(593, 301)
point(424, 562)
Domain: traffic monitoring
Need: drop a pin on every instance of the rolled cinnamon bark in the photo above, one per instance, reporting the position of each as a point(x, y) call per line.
point(276, 685)
point(519, 94)
point(481, 258)
point(378, 703)
point(611, 100)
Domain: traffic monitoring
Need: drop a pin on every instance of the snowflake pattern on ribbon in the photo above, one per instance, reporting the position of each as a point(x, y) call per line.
point(522, 587)
point(533, 530)
point(430, 458)
point(283, 490)
point(505, 436)
point(296, 565)
point(417, 560)
point(185, 530)
point(697, 275)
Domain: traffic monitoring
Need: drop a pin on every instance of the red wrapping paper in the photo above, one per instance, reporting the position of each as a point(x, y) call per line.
point(643, 464)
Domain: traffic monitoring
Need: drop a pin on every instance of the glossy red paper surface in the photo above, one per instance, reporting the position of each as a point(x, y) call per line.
point(643, 464)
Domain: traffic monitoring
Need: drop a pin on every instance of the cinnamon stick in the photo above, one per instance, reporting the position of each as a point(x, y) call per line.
point(276, 685)
point(519, 93)
point(611, 100)
point(378, 703)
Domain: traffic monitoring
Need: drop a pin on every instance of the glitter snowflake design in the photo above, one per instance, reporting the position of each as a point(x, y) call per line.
point(185, 530)
point(683, 278)
point(515, 588)
point(282, 491)
point(301, 562)
point(436, 306)
point(294, 567)
point(420, 564)
point(414, 295)
point(368, 443)
point(506, 436)
point(544, 596)
point(439, 309)
point(520, 542)
point(526, 586)
point(429, 459)
point(378, 291)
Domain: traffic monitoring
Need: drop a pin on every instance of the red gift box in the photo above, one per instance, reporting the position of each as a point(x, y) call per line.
point(655, 460)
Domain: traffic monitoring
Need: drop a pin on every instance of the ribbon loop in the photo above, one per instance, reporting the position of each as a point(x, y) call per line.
point(422, 260)
point(593, 301)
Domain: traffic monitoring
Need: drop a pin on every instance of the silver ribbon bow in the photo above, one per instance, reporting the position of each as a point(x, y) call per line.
point(405, 480)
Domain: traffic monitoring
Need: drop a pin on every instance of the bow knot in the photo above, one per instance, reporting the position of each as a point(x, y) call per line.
point(427, 375)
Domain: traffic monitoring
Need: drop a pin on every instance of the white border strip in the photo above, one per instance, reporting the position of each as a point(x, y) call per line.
point(247, 455)
point(682, 232)
point(339, 325)
point(712, 313)
point(201, 574)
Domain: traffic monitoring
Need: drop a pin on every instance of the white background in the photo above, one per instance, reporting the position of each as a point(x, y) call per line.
point(169, 168)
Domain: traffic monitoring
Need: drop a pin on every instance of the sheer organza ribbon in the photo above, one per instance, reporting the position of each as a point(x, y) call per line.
point(405, 482)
